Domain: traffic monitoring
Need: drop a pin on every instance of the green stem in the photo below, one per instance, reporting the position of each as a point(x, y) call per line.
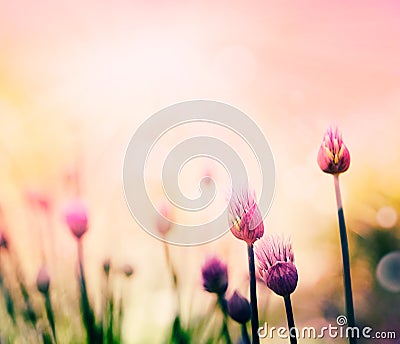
point(8, 300)
point(224, 332)
point(346, 260)
point(174, 276)
point(253, 295)
point(107, 313)
point(178, 331)
point(245, 335)
point(205, 322)
point(50, 315)
point(290, 320)
point(88, 317)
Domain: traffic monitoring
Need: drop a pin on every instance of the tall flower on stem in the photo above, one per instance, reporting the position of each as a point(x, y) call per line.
point(334, 158)
point(43, 285)
point(276, 266)
point(215, 280)
point(163, 225)
point(77, 221)
point(247, 224)
point(127, 271)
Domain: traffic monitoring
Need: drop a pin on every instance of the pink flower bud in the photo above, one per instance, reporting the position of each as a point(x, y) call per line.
point(76, 218)
point(245, 217)
point(163, 222)
point(43, 280)
point(333, 155)
point(37, 198)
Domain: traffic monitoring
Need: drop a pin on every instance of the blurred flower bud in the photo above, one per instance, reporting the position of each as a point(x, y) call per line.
point(76, 218)
point(208, 174)
point(37, 198)
point(333, 155)
point(127, 270)
point(163, 220)
point(43, 280)
point(239, 308)
point(107, 266)
point(3, 241)
point(215, 276)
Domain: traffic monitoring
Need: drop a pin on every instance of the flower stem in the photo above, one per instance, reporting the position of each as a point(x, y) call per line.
point(178, 333)
point(245, 335)
point(346, 260)
point(174, 277)
point(225, 332)
point(50, 315)
point(290, 319)
point(253, 295)
point(88, 317)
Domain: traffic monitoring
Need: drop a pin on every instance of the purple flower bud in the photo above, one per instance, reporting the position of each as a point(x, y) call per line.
point(3, 241)
point(333, 155)
point(215, 276)
point(43, 280)
point(239, 308)
point(282, 278)
point(276, 264)
point(245, 217)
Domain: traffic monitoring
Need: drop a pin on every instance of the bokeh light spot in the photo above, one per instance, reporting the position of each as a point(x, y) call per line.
point(386, 217)
point(388, 272)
